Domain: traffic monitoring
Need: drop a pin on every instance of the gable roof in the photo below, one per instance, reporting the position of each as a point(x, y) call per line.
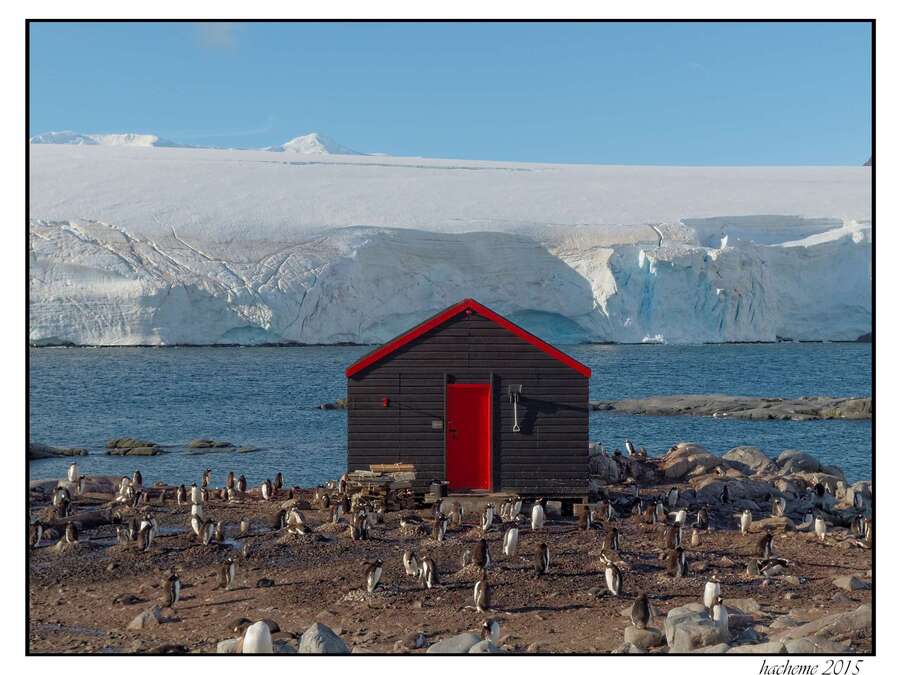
point(454, 310)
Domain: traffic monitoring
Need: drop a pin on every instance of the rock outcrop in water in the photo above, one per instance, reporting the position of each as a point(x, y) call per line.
point(744, 407)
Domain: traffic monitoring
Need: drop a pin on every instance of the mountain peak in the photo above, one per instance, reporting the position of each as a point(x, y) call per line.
point(314, 144)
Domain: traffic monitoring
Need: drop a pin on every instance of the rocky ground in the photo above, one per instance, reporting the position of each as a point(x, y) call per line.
point(100, 596)
point(744, 407)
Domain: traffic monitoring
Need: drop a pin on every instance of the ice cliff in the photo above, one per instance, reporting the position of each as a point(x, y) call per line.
point(138, 246)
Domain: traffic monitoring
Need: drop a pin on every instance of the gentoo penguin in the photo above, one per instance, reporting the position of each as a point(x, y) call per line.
point(72, 473)
point(204, 494)
point(773, 567)
point(230, 480)
point(429, 573)
point(64, 508)
point(487, 518)
point(695, 538)
point(611, 540)
point(439, 529)
point(242, 484)
point(218, 532)
point(703, 520)
point(868, 532)
point(491, 630)
point(373, 571)
point(196, 523)
point(137, 479)
point(197, 510)
point(358, 526)
point(196, 498)
point(672, 536)
point(277, 483)
point(641, 611)
point(511, 541)
point(266, 489)
point(205, 478)
point(144, 537)
point(857, 526)
point(71, 533)
point(295, 516)
point(342, 484)
point(672, 497)
point(411, 563)
point(278, 520)
point(181, 495)
point(630, 448)
point(257, 639)
point(208, 532)
point(660, 511)
point(765, 546)
point(515, 509)
point(746, 519)
point(456, 515)
point(585, 519)
point(542, 560)
point(720, 616)
point(538, 516)
point(122, 535)
point(35, 533)
point(642, 453)
point(858, 501)
point(724, 495)
point(675, 563)
point(172, 590)
point(649, 515)
point(819, 526)
point(61, 495)
point(711, 593)
point(81, 485)
point(481, 555)
point(227, 574)
point(614, 579)
point(681, 516)
point(779, 506)
point(481, 593)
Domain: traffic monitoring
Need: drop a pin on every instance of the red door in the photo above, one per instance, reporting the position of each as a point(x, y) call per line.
point(468, 436)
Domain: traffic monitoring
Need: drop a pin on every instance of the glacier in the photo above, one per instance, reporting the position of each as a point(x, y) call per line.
point(165, 245)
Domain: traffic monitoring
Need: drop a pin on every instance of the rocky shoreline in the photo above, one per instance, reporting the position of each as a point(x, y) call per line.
point(744, 407)
point(104, 594)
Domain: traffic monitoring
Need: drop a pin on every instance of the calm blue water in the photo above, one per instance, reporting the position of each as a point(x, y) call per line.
point(265, 398)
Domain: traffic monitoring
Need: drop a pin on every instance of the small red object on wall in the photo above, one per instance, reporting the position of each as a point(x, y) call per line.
point(386, 402)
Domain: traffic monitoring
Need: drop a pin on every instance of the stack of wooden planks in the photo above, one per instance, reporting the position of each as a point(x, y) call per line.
point(384, 485)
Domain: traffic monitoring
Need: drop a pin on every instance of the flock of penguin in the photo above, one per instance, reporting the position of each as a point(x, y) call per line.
point(662, 512)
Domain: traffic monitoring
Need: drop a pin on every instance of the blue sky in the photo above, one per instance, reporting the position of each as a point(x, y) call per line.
point(615, 93)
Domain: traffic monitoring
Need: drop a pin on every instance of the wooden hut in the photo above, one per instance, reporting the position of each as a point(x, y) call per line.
point(470, 398)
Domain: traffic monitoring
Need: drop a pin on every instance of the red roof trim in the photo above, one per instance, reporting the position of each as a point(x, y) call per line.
point(451, 312)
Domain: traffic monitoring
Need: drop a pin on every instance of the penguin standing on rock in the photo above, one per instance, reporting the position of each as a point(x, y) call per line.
point(538, 515)
point(746, 519)
point(72, 473)
point(511, 542)
point(614, 579)
point(230, 481)
point(676, 565)
point(373, 571)
point(779, 506)
point(819, 526)
point(206, 478)
point(208, 532)
point(641, 611)
point(542, 560)
point(137, 479)
point(481, 593)
point(196, 497)
point(181, 495)
point(277, 483)
point(266, 489)
point(242, 485)
point(711, 593)
point(672, 497)
point(196, 524)
point(703, 520)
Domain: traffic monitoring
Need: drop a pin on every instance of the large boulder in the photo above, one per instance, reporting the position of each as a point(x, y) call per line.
point(643, 638)
point(457, 644)
point(149, 617)
point(709, 488)
point(760, 648)
point(864, 487)
point(320, 639)
point(484, 647)
point(841, 626)
point(808, 645)
point(604, 468)
point(748, 459)
point(689, 628)
point(687, 460)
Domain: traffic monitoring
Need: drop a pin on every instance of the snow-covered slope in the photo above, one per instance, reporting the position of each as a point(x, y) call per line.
point(313, 144)
point(75, 138)
point(169, 246)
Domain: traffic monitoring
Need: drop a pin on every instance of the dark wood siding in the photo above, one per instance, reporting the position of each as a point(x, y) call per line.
point(548, 456)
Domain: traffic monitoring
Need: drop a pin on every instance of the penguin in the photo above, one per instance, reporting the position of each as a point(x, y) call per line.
point(295, 516)
point(64, 508)
point(137, 479)
point(542, 560)
point(868, 532)
point(720, 616)
point(359, 525)
point(481, 593)
point(481, 555)
point(585, 519)
point(711, 593)
point(61, 495)
point(71, 533)
point(660, 511)
point(456, 515)
point(819, 526)
point(857, 526)
point(196, 524)
point(724, 495)
point(641, 611)
point(429, 573)
point(277, 483)
point(614, 579)
point(230, 480)
point(72, 473)
point(342, 484)
point(676, 565)
point(746, 519)
point(680, 517)
point(197, 510)
point(172, 590)
point(181, 495)
point(195, 494)
point(487, 519)
point(439, 527)
point(144, 537)
point(649, 515)
point(630, 448)
point(410, 523)
point(858, 501)
point(122, 535)
point(672, 497)
point(35, 533)
point(218, 532)
point(244, 526)
point(703, 520)
point(373, 572)
point(695, 538)
point(242, 484)
point(765, 546)
point(209, 529)
point(257, 639)
point(491, 630)
point(227, 574)
point(411, 563)
point(772, 567)
point(511, 542)
point(266, 489)
point(278, 520)
point(515, 509)
point(779, 506)
point(204, 494)
point(538, 515)
point(80, 489)
point(672, 536)
point(611, 540)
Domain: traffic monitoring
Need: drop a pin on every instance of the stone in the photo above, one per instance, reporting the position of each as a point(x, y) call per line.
point(229, 646)
point(484, 647)
point(719, 648)
point(687, 458)
point(748, 458)
point(457, 644)
point(635, 649)
point(841, 625)
point(129, 442)
point(283, 647)
point(603, 467)
point(791, 580)
point(794, 461)
point(320, 639)
point(643, 638)
point(813, 646)
point(414, 640)
point(760, 648)
point(208, 443)
point(689, 627)
point(149, 617)
point(850, 583)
